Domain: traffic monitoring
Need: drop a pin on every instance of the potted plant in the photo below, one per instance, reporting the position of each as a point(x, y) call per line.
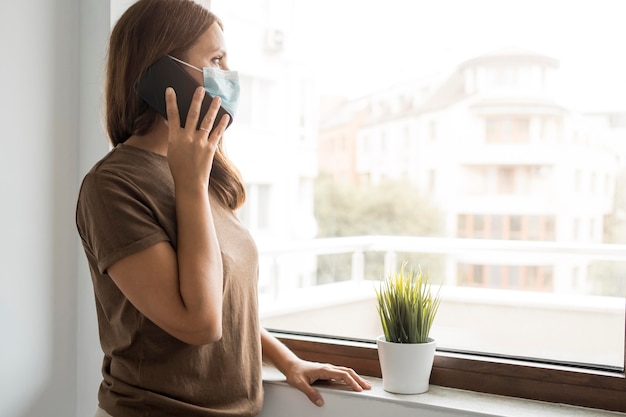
point(407, 307)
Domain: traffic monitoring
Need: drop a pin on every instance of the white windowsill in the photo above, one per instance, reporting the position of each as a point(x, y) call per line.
point(284, 400)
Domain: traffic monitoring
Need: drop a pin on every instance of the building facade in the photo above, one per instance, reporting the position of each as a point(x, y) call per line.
point(498, 151)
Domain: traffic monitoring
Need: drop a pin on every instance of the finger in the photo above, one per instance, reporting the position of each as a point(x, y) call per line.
point(347, 375)
point(211, 114)
point(171, 107)
point(313, 395)
point(352, 373)
point(218, 131)
point(194, 108)
point(364, 383)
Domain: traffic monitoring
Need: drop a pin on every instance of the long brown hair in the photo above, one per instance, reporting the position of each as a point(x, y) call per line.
point(147, 31)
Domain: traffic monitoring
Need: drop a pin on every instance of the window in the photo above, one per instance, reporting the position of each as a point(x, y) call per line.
point(578, 180)
point(255, 104)
point(256, 213)
point(496, 227)
point(515, 227)
point(506, 76)
point(506, 180)
point(432, 130)
point(507, 129)
point(432, 181)
point(514, 277)
point(488, 202)
point(478, 229)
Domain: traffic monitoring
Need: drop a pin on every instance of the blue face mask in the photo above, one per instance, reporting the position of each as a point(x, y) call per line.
point(217, 82)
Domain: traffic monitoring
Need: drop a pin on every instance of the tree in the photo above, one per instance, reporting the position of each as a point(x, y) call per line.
point(608, 277)
point(395, 208)
point(391, 208)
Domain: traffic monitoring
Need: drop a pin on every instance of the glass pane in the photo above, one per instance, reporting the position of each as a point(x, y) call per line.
point(492, 158)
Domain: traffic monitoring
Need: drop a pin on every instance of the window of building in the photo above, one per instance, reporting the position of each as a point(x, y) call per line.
point(255, 106)
point(496, 227)
point(506, 76)
point(534, 227)
point(432, 181)
point(514, 278)
point(478, 229)
point(432, 130)
point(244, 109)
point(578, 180)
point(256, 212)
point(515, 227)
point(462, 225)
point(507, 129)
point(506, 180)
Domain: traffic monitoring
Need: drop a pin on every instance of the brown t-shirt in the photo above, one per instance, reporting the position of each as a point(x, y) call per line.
point(126, 204)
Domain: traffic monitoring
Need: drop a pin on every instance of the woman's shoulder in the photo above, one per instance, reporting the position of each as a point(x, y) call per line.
point(125, 163)
point(126, 180)
point(123, 157)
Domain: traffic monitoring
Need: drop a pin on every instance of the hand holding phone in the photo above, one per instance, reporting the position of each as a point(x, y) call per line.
point(190, 152)
point(167, 73)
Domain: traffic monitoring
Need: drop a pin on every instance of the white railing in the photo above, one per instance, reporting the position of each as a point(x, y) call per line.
point(499, 321)
point(477, 251)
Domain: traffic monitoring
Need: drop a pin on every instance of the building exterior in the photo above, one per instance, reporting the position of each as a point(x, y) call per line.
point(498, 151)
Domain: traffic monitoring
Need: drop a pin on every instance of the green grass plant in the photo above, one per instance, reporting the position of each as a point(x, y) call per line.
point(406, 305)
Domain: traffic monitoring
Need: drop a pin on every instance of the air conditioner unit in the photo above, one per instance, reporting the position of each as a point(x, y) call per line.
point(275, 40)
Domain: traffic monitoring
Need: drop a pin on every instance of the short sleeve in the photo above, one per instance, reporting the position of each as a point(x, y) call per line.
point(114, 219)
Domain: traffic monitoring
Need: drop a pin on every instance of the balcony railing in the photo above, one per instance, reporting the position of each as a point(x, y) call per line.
point(518, 252)
point(574, 325)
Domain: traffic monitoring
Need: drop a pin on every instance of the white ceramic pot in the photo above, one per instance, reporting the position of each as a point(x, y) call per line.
point(406, 367)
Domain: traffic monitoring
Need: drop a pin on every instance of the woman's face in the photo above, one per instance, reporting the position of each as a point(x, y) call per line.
point(208, 51)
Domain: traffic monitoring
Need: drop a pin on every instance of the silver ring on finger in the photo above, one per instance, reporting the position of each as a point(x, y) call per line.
point(204, 129)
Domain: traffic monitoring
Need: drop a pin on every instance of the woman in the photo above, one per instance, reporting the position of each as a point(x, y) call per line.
point(173, 270)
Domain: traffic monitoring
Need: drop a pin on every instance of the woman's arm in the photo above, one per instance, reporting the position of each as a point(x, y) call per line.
point(302, 374)
point(181, 291)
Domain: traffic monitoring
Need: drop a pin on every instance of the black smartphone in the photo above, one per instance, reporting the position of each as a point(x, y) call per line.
point(168, 73)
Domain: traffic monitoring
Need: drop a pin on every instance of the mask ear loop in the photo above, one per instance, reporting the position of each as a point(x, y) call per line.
point(185, 63)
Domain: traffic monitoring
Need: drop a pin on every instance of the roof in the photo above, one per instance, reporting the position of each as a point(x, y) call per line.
point(510, 54)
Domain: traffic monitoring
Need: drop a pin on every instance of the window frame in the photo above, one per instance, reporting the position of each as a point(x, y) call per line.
point(500, 376)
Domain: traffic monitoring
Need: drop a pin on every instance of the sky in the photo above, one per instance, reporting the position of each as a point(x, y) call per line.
point(359, 43)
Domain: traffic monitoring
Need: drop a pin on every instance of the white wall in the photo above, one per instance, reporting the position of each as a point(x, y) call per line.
point(52, 53)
